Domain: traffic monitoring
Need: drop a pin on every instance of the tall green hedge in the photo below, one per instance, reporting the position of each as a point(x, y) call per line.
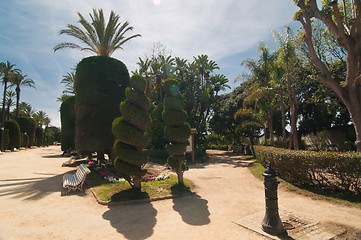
point(129, 130)
point(67, 117)
point(100, 87)
point(14, 134)
point(39, 136)
point(28, 126)
point(6, 138)
point(331, 170)
point(176, 131)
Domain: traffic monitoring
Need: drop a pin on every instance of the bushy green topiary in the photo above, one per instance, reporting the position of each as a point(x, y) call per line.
point(28, 126)
point(24, 140)
point(100, 84)
point(176, 131)
point(174, 118)
point(135, 116)
point(129, 131)
point(14, 134)
point(39, 136)
point(6, 138)
point(67, 117)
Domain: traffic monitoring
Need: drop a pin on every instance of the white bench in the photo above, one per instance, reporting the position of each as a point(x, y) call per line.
point(75, 181)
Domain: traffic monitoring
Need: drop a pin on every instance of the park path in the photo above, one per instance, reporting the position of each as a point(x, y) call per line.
point(31, 205)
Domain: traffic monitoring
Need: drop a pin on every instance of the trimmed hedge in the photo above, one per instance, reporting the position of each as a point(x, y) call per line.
point(330, 170)
point(39, 136)
point(28, 126)
point(100, 84)
point(14, 134)
point(67, 116)
point(6, 138)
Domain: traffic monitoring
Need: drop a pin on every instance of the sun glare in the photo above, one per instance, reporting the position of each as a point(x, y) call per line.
point(157, 2)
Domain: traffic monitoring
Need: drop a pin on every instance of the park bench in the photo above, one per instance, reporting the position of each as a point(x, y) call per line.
point(75, 181)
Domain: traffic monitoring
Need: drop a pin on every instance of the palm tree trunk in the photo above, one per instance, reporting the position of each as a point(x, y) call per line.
point(3, 114)
point(283, 122)
point(270, 120)
point(17, 104)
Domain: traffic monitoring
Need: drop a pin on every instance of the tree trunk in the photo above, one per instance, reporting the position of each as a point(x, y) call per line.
point(270, 127)
point(180, 174)
point(3, 114)
point(137, 183)
point(283, 122)
point(293, 113)
point(17, 103)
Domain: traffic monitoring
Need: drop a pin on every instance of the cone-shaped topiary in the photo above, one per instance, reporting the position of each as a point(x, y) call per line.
point(176, 131)
point(100, 84)
point(129, 131)
point(14, 134)
point(39, 136)
point(67, 116)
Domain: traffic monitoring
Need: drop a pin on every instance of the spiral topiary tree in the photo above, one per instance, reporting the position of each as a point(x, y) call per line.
point(100, 84)
point(67, 116)
point(176, 131)
point(129, 130)
point(14, 134)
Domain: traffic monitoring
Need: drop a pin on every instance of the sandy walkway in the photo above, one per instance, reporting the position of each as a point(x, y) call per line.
point(31, 205)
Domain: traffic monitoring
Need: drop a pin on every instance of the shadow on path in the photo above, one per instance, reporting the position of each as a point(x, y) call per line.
point(135, 222)
point(193, 209)
point(33, 188)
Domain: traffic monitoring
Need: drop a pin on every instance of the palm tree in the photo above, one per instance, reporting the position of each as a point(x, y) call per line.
point(7, 70)
point(219, 83)
point(69, 80)
point(25, 109)
point(40, 117)
point(98, 38)
point(9, 102)
point(19, 81)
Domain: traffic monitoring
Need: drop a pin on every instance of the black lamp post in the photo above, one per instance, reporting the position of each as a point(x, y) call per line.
point(271, 223)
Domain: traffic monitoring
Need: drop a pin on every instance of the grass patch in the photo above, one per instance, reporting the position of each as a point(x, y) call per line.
point(122, 191)
point(315, 193)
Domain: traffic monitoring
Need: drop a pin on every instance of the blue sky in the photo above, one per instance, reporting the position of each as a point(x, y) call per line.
point(228, 31)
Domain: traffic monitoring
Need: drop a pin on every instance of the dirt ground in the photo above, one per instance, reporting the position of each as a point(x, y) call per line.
point(31, 205)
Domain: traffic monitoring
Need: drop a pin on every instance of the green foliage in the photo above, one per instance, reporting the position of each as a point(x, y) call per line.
point(176, 149)
point(27, 125)
point(328, 170)
point(138, 83)
point(138, 99)
point(6, 138)
point(14, 134)
point(174, 118)
point(99, 86)
point(135, 116)
point(130, 133)
point(174, 103)
point(175, 132)
point(67, 116)
point(156, 131)
point(24, 140)
point(39, 136)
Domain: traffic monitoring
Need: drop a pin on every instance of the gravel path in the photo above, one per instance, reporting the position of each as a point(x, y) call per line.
point(31, 205)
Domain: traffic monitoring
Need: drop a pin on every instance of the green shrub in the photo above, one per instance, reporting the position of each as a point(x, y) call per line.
point(135, 116)
point(14, 134)
point(6, 138)
point(174, 118)
point(176, 131)
point(177, 134)
point(332, 170)
point(39, 136)
point(130, 133)
point(100, 87)
point(28, 126)
point(67, 116)
point(24, 140)
point(157, 153)
point(156, 131)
